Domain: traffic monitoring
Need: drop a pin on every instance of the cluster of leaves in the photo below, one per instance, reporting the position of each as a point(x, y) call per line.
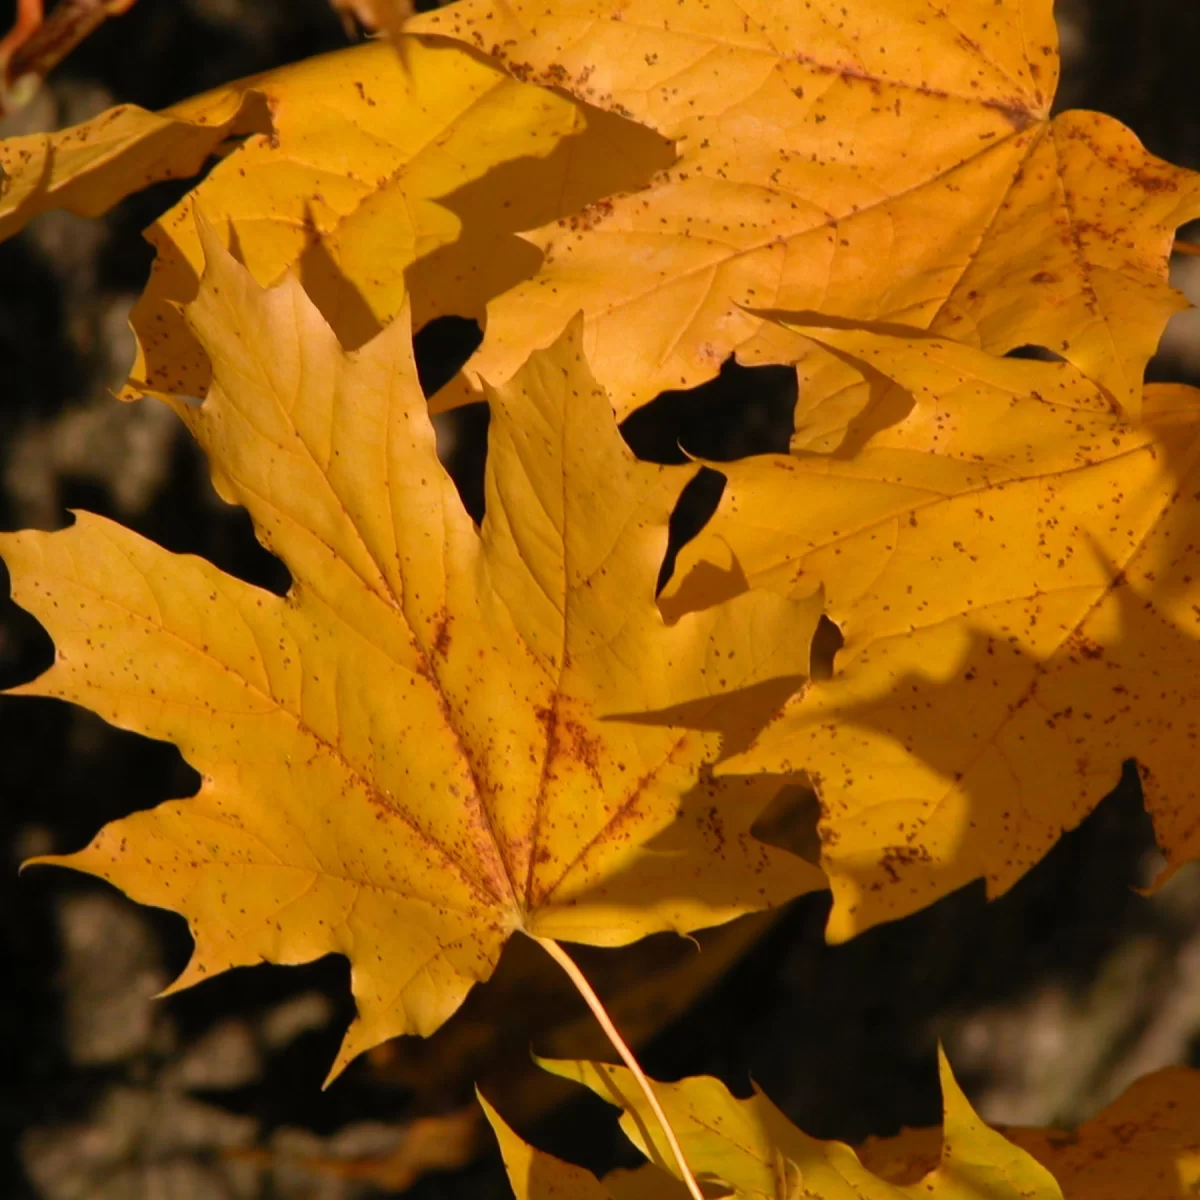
point(445, 734)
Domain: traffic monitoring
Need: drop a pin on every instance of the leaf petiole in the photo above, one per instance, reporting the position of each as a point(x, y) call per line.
point(594, 1002)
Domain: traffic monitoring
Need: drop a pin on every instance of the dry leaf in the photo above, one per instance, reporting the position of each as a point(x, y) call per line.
point(1013, 570)
point(432, 1143)
point(90, 167)
point(535, 1175)
point(890, 161)
point(421, 748)
point(1145, 1144)
point(749, 1149)
point(384, 175)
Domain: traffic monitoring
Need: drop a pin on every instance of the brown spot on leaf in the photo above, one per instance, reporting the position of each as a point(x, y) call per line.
point(442, 636)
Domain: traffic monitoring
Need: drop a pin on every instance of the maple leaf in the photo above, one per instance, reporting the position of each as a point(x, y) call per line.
point(885, 161)
point(536, 1175)
point(1143, 1144)
point(388, 175)
point(415, 752)
point(749, 1149)
point(1014, 573)
point(88, 168)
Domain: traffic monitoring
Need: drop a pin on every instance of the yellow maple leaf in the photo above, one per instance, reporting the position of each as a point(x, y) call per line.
point(535, 1175)
point(1015, 575)
point(387, 174)
point(420, 748)
point(90, 167)
point(750, 1150)
point(888, 161)
point(1145, 1144)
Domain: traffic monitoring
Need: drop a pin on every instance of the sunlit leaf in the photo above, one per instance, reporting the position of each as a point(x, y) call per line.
point(889, 161)
point(1012, 569)
point(423, 747)
point(385, 175)
point(88, 168)
point(1146, 1143)
point(748, 1148)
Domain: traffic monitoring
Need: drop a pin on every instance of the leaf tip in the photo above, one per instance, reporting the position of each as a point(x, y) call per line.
point(952, 1094)
point(348, 1051)
point(72, 862)
point(41, 860)
point(217, 259)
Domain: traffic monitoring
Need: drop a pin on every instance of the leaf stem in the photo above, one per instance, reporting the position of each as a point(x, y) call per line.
point(594, 1002)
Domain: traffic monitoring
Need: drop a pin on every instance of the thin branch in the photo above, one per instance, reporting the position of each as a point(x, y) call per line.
point(37, 43)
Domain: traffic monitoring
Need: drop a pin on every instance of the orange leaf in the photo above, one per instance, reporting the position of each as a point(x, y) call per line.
point(1013, 570)
point(385, 176)
point(441, 734)
point(1146, 1143)
point(748, 1148)
point(893, 162)
point(90, 167)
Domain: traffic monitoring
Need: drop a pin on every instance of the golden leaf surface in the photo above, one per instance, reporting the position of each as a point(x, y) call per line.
point(387, 174)
point(535, 1175)
point(89, 167)
point(1014, 571)
point(749, 1149)
point(887, 161)
point(419, 749)
point(1145, 1144)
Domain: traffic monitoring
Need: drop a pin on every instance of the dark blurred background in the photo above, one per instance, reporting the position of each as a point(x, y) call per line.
point(1050, 1001)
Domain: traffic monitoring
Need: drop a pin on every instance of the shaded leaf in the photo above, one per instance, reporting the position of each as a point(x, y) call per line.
point(432, 1143)
point(1013, 571)
point(891, 162)
point(748, 1148)
point(528, 1003)
point(1146, 1143)
point(648, 1182)
point(385, 175)
point(535, 1175)
point(90, 167)
point(413, 753)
